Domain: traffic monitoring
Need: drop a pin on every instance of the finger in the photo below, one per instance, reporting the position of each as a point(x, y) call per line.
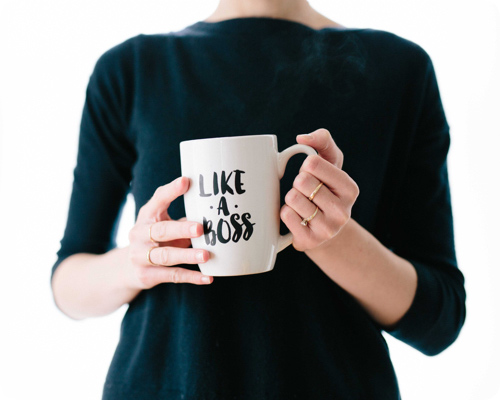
point(338, 181)
point(306, 184)
point(324, 198)
point(157, 206)
point(168, 256)
point(157, 275)
point(334, 211)
point(303, 207)
point(177, 242)
point(165, 231)
point(321, 140)
point(302, 237)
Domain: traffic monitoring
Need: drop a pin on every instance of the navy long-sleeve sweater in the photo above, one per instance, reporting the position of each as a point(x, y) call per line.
point(291, 333)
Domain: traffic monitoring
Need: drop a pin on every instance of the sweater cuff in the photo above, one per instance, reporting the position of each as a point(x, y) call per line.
point(417, 326)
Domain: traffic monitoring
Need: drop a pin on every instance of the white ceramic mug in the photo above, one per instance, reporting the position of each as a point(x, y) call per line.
point(235, 193)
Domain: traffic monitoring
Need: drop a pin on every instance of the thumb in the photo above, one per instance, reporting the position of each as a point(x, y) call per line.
point(321, 140)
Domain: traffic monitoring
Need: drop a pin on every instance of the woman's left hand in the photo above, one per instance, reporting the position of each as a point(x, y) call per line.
point(334, 199)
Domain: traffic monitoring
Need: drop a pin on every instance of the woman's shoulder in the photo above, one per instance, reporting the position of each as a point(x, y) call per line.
point(129, 48)
point(386, 46)
point(142, 41)
point(117, 58)
point(127, 55)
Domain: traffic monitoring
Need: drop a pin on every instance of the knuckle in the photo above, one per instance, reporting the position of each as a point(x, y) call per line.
point(158, 192)
point(324, 132)
point(161, 229)
point(283, 212)
point(307, 163)
point(164, 256)
point(352, 197)
point(286, 213)
point(186, 229)
point(142, 275)
point(300, 180)
point(342, 217)
point(327, 144)
point(296, 194)
point(175, 275)
point(355, 190)
point(341, 156)
point(326, 138)
point(193, 256)
point(291, 196)
point(311, 163)
point(339, 160)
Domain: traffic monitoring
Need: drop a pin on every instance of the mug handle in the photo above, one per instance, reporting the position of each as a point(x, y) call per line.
point(286, 240)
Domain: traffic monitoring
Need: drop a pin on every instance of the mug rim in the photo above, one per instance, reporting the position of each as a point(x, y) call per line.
point(230, 137)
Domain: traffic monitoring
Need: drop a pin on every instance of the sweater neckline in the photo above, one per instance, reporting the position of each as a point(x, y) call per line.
point(254, 25)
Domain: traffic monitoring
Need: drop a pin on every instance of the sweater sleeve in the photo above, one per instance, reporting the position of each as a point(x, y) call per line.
point(422, 232)
point(106, 154)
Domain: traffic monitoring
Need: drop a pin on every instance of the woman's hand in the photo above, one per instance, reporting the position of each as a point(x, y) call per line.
point(169, 242)
point(334, 199)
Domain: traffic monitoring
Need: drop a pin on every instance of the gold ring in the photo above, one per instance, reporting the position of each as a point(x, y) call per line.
point(315, 191)
point(149, 257)
point(306, 220)
point(150, 237)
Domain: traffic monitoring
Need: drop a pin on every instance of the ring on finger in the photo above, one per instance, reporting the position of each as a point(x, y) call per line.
point(315, 191)
point(305, 221)
point(148, 256)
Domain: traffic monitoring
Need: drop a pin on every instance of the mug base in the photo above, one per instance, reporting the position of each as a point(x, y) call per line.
point(230, 273)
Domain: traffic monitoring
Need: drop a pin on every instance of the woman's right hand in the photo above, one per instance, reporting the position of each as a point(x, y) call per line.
point(170, 246)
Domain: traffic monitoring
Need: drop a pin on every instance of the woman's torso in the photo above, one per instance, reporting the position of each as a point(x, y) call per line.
point(291, 332)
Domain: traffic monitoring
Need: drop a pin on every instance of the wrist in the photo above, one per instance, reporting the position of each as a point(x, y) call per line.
point(126, 282)
point(336, 241)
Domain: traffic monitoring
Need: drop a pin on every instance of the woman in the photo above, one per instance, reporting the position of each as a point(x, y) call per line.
point(379, 254)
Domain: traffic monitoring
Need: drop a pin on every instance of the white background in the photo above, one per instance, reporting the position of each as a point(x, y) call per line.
point(48, 50)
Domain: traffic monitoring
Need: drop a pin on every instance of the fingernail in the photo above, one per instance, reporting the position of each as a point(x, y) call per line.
point(305, 136)
point(200, 256)
point(193, 229)
point(205, 279)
